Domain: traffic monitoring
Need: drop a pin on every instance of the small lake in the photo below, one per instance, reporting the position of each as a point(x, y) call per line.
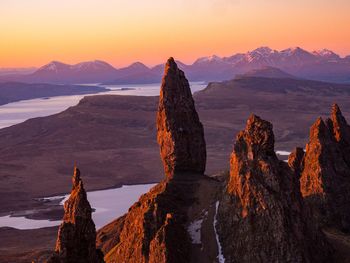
point(17, 112)
point(108, 204)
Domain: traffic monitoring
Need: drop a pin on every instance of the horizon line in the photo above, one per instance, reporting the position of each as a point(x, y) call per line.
point(160, 63)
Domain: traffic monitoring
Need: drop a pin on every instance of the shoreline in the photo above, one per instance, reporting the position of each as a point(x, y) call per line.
point(52, 210)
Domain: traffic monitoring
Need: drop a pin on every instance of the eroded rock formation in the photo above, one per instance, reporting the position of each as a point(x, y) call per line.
point(180, 133)
point(325, 175)
point(262, 217)
point(154, 228)
point(76, 241)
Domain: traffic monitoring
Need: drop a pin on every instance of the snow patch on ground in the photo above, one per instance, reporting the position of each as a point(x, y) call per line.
point(194, 229)
point(220, 256)
point(283, 153)
point(52, 198)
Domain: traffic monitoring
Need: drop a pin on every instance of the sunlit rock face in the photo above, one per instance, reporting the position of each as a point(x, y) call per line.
point(180, 133)
point(76, 241)
point(325, 172)
point(261, 215)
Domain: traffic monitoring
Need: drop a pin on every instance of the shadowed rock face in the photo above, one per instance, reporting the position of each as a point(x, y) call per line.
point(295, 161)
point(325, 175)
point(180, 133)
point(262, 216)
point(76, 241)
point(153, 231)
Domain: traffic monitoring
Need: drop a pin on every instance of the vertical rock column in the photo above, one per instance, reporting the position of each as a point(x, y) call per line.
point(153, 230)
point(180, 133)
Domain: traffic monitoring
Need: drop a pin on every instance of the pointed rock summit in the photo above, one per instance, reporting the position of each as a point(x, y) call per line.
point(76, 241)
point(180, 133)
point(325, 175)
point(339, 126)
point(318, 150)
point(153, 230)
point(262, 216)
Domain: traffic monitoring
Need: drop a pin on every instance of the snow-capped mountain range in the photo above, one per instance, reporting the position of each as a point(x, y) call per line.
point(318, 65)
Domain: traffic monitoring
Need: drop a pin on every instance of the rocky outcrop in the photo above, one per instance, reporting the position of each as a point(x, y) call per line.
point(325, 175)
point(180, 133)
point(153, 230)
point(76, 241)
point(262, 216)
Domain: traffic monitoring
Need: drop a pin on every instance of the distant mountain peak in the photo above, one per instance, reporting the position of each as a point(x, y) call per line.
point(212, 58)
point(138, 65)
point(326, 53)
point(259, 54)
point(263, 50)
point(94, 64)
point(323, 52)
point(294, 50)
point(54, 66)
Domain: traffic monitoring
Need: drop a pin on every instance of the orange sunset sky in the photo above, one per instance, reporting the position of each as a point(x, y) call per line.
point(34, 32)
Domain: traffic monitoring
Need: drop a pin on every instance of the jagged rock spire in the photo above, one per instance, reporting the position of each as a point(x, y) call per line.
point(338, 125)
point(76, 177)
point(318, 151)
point(180, 133)
point(325, 175)
point(252, 144)
point(76, 241)
point(262, 217)
point(257, 139)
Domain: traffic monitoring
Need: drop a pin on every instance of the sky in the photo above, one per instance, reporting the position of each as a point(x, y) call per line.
point(35, 32)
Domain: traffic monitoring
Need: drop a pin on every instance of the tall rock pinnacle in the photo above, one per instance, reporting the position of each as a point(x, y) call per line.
point(153, 230)
point(325, 176)
point(180, 133)
point(263, 207)
point(76, 241)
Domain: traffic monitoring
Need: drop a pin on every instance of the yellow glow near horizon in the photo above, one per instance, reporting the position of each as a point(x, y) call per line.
point(34, 32)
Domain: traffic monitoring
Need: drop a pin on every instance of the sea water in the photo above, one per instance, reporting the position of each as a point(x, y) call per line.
point(17, 112)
